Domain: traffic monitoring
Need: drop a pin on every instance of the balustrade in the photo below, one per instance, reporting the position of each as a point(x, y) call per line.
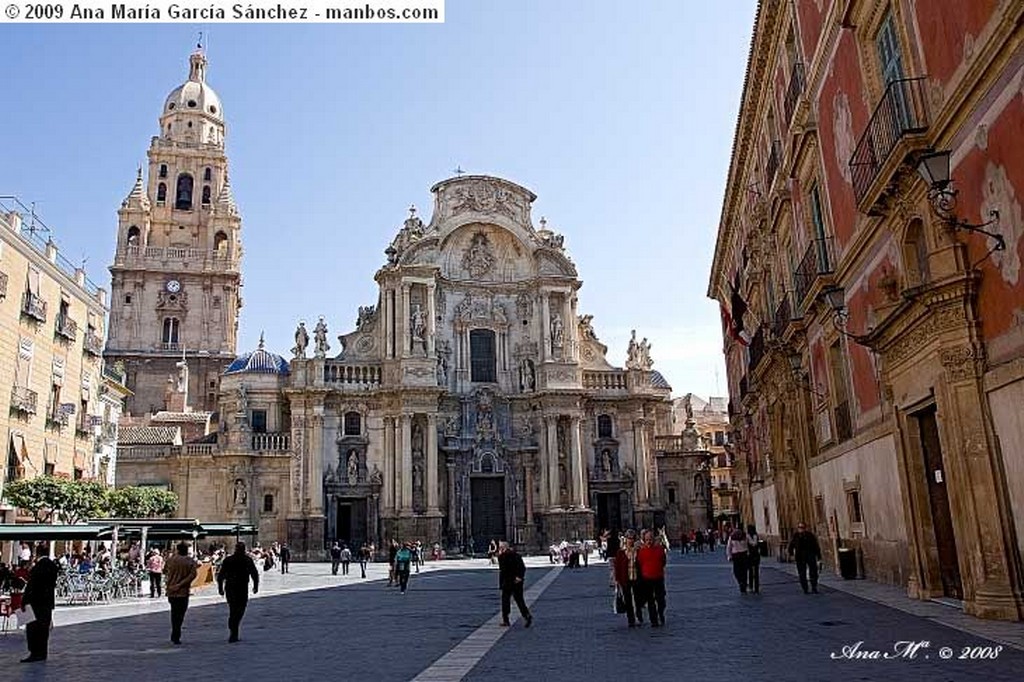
point(352, 375)
point(605, 381)
point(271, 441)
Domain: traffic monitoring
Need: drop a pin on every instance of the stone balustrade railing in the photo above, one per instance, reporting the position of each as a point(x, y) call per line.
point(271, 441)
point(356, 376)
point(614, 380)
point(198, 448)
point(160, 254)
point(143, 453)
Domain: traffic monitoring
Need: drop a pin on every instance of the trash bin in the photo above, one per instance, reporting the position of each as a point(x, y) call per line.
point(848, 563)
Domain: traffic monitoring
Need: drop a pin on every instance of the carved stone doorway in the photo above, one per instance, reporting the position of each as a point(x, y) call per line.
point(487, 510)
point(938, 496)
point(351, 522)
point(609, 511)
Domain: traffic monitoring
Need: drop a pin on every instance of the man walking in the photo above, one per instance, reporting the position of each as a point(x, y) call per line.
point(181, 570)
point(286, 558)
point(335, 558)
point(511, 574)
point(652, 559)
point(364, 557)
point(346, 559)
point(804, 546)
point(40, 595)
point(233, 583)
point(403, 564)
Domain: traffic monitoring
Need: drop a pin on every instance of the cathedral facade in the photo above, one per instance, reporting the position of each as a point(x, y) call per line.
point(470, 402)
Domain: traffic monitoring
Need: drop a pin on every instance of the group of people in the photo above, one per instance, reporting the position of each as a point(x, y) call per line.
point(402, 558)
point(697, 539)
point(638, 572)
point(342, 556)
point(744, 549)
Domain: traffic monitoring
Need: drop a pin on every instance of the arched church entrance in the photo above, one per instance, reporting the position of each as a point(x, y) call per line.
point(487, 504)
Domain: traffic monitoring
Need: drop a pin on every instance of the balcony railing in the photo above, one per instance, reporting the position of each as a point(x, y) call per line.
point(271, 441)
point(141, 453)
point(202, 449)
point(605, 381)
point(669, 443)
point(34, 306)
point(170, 345)
point(24, 400)
point(3, 285)
point(352, 375)
point(66, 327)
point(794, 90)
point(111, 372)
point(844, 425)
point(901, 112)
point(783, 316)
point(815, 262)
point(93, 344)
point(772, 167)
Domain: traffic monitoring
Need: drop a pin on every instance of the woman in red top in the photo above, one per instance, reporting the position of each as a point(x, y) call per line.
point(627, 577)
point(652, 559)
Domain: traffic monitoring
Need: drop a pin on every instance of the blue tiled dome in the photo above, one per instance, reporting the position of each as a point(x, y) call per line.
point(259, 361)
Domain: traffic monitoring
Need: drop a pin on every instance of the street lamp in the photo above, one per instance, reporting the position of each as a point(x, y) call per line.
point(835, 297)
point(934, 170)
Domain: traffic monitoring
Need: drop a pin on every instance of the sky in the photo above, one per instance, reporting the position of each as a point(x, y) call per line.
point(620, 116)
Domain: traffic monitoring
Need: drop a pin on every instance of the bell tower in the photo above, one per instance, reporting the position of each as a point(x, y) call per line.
point(176, 277)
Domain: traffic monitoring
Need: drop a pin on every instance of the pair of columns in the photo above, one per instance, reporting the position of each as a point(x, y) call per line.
point(397, 316)
point(550, 474)
point(398, 480)
point(569, 324)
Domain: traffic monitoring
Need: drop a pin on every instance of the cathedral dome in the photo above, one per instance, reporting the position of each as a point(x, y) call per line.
point(259, 361)
point(195, 95)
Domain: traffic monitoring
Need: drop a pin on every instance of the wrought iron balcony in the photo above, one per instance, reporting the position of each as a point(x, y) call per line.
point(57, 417)
point(93, 344)
point(816, 261)
point(774, 159)
point(66, 327)
point(844, 425)
point(794, 90)
point(33, 306)
point(901, 112)
point(24, 400)
point(783, 316)
point(3, 285)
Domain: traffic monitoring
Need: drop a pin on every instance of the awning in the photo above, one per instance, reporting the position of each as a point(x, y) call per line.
point(224, 529)
point(42, 531)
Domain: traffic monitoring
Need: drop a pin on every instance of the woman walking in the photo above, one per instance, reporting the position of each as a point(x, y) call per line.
point(753, 560)
point(628, 580)
point(736, 552)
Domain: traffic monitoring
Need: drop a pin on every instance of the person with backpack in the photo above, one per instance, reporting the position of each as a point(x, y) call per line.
point(403, 563)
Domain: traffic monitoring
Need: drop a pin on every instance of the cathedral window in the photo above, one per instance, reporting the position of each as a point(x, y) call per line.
point(206, 195)
point(208, 174)
point(163, 170)
point(258, 421)
point(183, 200)
point(220, 242)
point(268, 504)
point(133, 236)
point(482, 356)
point(170, 334)
point(161, 192)
point(604, 426)
point(353, 424)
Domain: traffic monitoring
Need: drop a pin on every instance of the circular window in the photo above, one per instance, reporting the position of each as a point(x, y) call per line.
point(191, 104)
point(190, 124)
point(213, 110)
point(171, 105)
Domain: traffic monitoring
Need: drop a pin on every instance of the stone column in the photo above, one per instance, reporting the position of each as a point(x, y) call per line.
point(568, 327)
point(450, 470)
point(314, 465)
point(431, 321)
point(388, 494)
point(545, 332)
point(572, 329)
point(640, 453)
point(385, 313)
point(579, 468)
point(403, 325)
point(551, 424)
point(528, 487)
point(432, 464)
point(406, 460)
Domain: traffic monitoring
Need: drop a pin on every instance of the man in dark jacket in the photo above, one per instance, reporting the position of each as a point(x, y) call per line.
point(335, 557)
point(286, 558)
point(40, 595)
point(511, 574)
point(804, 546)
point(233, 583)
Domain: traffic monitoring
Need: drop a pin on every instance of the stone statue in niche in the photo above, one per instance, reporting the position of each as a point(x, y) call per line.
point(609, 461)
point(451, 427)
point(499, 314)
point(418, 324)
point(320, 338)
point(557, 330)
point(524, 306)
point(464, 311)
point(698, 487)
point(301, 341)
point(563, 479)
point(478, 258)
point(241, 494)
point(417, 477)
point(376, 477)
point(527, 376)
point(353, 467)
point(442, 367)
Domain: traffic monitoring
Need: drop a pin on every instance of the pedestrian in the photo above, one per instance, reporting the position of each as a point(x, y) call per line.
point(652, 559)
point(699, 539)
point(364, 558)
point(753, 560)
point(403, 563)
point(415, 549)
point(804, 547)
point(492, 552)
point(233, 584)
point(346, 559)
point(40, 594)
point(286, 558)
point(181, 570)
point(627, 579)
point(511, 577)
point(335, 557)
point(736, 552)
point(155, 567)
point(392, 553)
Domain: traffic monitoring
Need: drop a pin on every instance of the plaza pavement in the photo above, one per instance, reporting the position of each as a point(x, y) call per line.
point(311, 625)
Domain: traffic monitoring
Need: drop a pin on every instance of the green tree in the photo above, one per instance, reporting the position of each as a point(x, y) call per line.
point(162, 502)
point(141, 502)
point(83, 500)
point(42, 496)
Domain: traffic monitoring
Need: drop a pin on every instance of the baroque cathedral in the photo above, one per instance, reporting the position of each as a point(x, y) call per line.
point(471, 401)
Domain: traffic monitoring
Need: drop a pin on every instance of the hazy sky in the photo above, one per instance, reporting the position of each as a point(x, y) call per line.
point(618, 115)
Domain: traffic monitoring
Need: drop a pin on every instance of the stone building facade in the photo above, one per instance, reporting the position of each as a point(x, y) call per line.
point(873, 335)
point(711, 420)
point(176, 276)
point(51, 339)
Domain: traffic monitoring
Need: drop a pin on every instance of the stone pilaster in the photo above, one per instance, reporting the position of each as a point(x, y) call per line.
point(432, 464)
point(406, 458)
